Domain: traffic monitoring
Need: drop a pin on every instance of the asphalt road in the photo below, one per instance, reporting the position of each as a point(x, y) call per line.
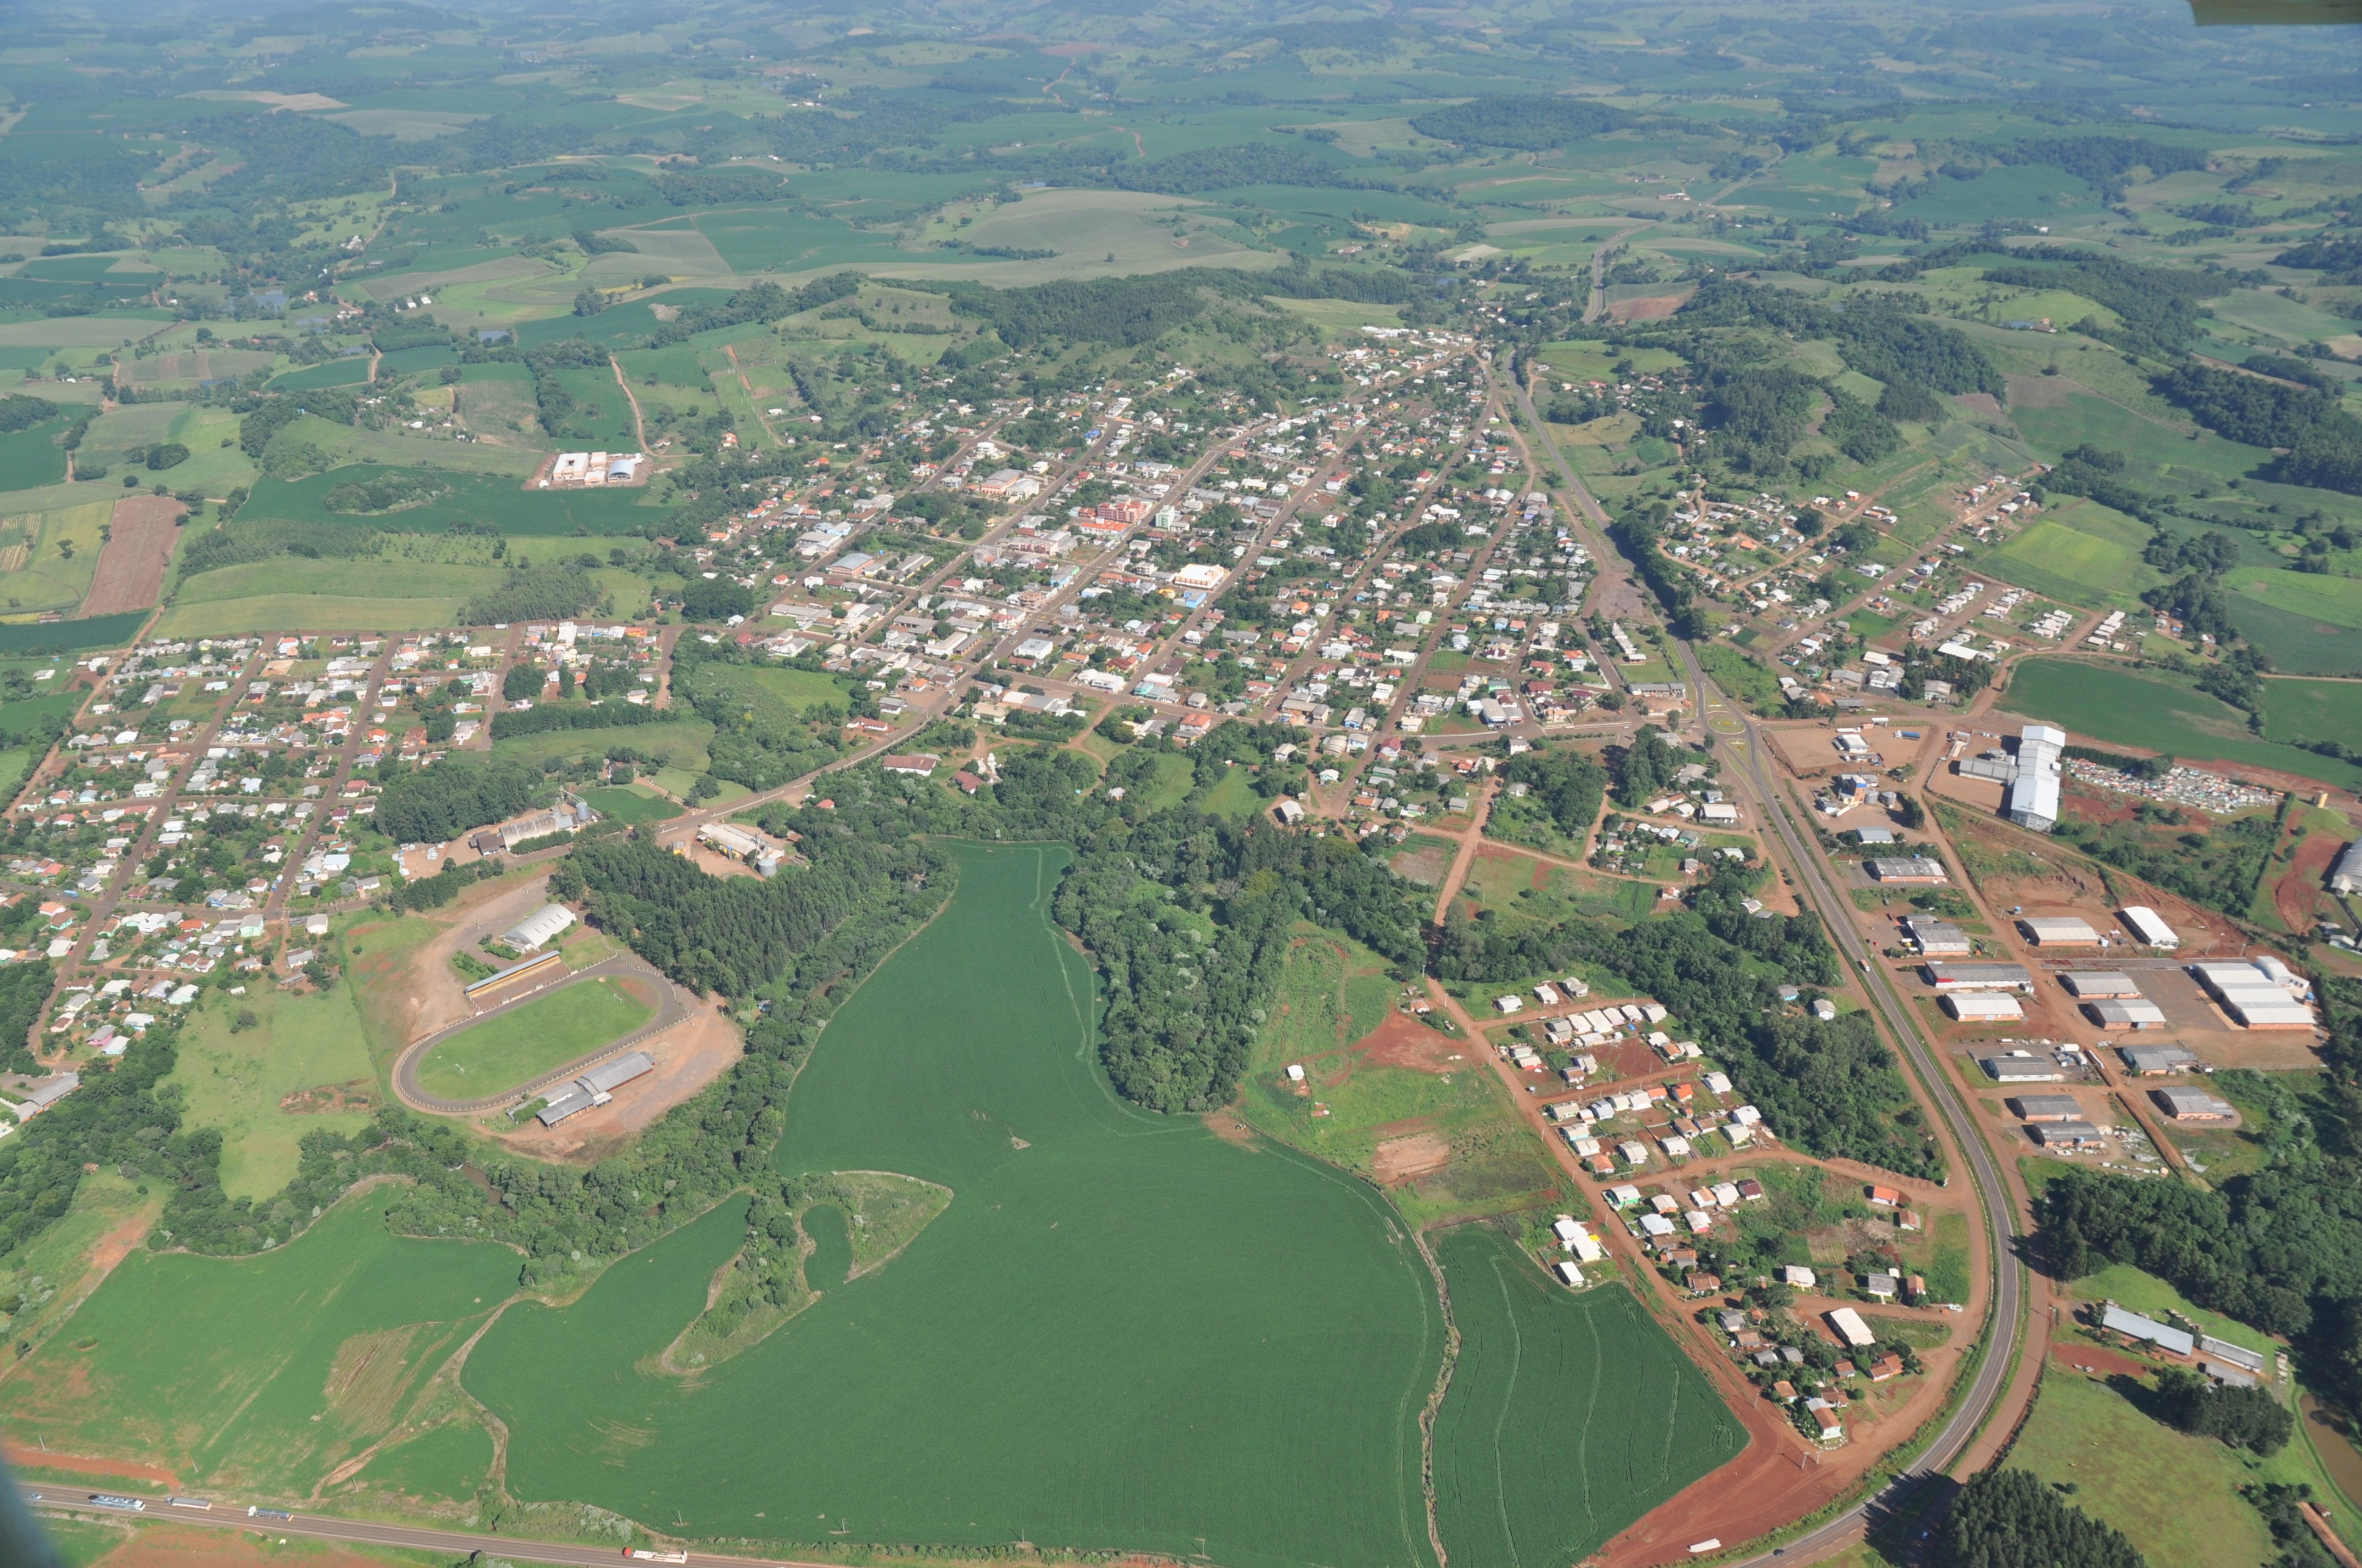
point(1741, 739)
point(47, 1497)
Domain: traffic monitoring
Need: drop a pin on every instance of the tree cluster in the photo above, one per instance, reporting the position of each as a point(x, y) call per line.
point(2013, 1519)
point(432, 805)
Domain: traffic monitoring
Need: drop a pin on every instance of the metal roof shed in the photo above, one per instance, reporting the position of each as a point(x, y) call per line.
point(569, 1103)
point(1982, 1006)
point(2059, 931)
point(2134, 1326)
point(1850, 1329)
point(538, 927)
point(616, 1074)
point(2063, 1135)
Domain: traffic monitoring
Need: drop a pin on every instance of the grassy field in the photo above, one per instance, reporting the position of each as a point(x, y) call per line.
point(235, 1078)
point(682, 740)
point(631, 804)
point(2080, 554)
point(305, 612)
point(259, 1374)
point(1568, 1417)
point(1123, 1330)
point(32, 457)
point(43, 575)
point(520, 1044)
point(1232, 796)
point(2313, 709)
point(2108, 703)
point(50, 1270)
point(367, 579)
point(2173, 1495)
point(1333, 993)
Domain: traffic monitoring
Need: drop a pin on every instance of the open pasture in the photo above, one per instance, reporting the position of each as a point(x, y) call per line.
point(47, 557)
point(249, 1084)
point(682, 742)
point(1123, 1330)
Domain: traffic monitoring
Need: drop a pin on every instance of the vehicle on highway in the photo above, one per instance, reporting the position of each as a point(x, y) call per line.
point(644, 1555)
point(111, 1500)
point(254, 1511)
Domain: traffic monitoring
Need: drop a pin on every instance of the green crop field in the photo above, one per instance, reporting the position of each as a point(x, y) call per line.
point(32, 457)
point(2112, 704)
point(630, 804)
point(258, 1374)
point(519, 1043)
point(449, 1462)
point(235, 1080)
point(1122, 1333)
point(481, 500)
point(2081, 553)
point(2312, 709)
point(2309, 624)
point(346, 373)
point(1568, 1416)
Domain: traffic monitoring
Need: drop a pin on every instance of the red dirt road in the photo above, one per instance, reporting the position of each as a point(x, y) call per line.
point(24, 1457)
point(131, 568)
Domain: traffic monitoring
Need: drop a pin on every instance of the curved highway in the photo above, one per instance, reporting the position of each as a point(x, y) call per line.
point(1739, 734)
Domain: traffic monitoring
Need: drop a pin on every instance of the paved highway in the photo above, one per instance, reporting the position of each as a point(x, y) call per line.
point(50, 1498)
point(1742, 740)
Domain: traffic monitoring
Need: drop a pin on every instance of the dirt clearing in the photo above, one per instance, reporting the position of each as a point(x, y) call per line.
point(1398, 1160)
point(1403, 1040)
point(688, 1055)
point(139, 547)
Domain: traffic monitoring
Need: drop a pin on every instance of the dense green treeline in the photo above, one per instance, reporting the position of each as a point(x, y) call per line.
point(2013, 1519)
point(1567, 783)
point(431, 805)
point(1881, 339)
point(24, 991)
point(2323, 442)
point(545, 592)
point(730, 935)
point(2280, 1248)
point(1528, 122)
